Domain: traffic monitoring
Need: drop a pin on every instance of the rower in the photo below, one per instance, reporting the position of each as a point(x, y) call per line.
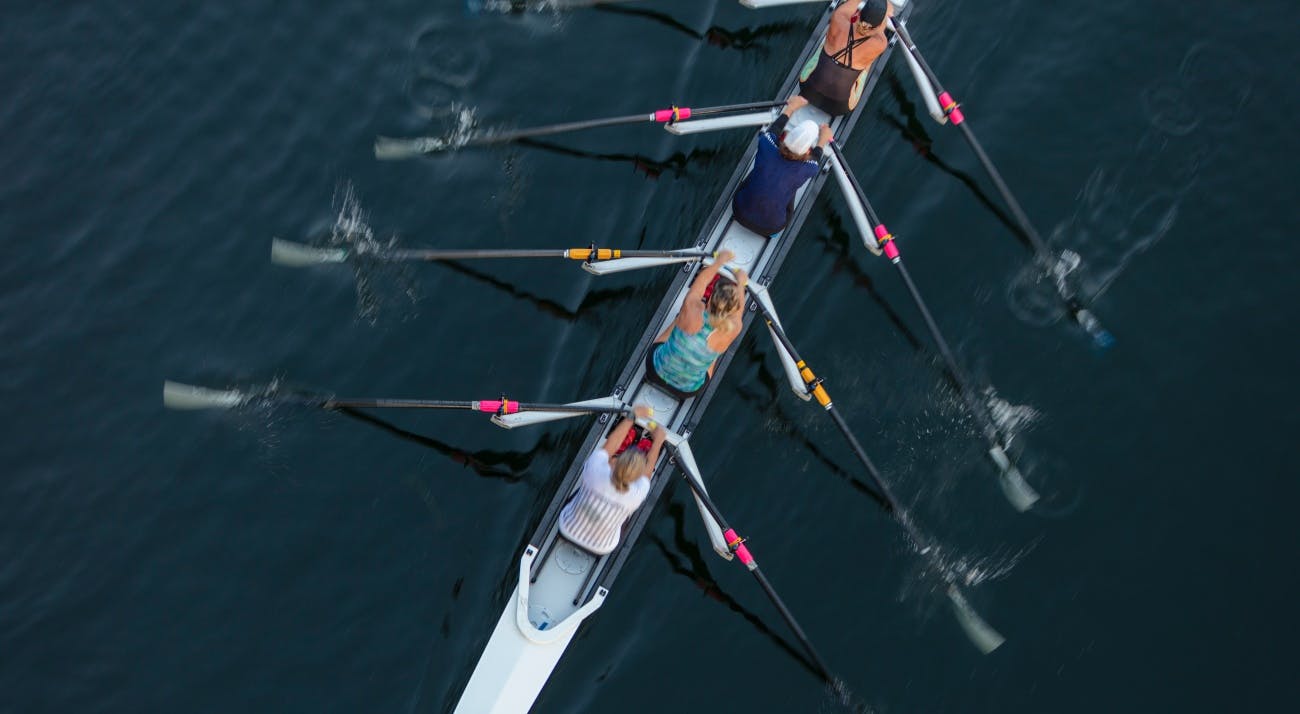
point(612, 486)
point(832, 80)
point(786, 158)
point(682, 358)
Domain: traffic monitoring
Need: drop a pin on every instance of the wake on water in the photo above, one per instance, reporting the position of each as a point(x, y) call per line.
point(380, 285)
point(1125, 209)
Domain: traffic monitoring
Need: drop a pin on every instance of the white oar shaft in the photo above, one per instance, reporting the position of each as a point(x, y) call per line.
point(686, 459)
point(763, 4)
point(529, 418)
point(739, 121)
point(792, 375)
point(855, 206)
point(928, 92)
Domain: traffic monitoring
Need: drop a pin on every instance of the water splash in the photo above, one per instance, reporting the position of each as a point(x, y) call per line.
point(1123, 210)
point(380, 285)
point(1010, 419)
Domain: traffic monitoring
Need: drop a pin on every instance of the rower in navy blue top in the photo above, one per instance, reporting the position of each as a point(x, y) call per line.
point(785, 160)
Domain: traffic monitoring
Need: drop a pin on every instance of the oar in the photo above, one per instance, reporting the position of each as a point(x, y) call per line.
point(980, 632)
point(763, 4)
point(391, 148)
point(1021, 495)
point(293, 254)
point(1073, 305)
point(737, 546)
point(189, 397)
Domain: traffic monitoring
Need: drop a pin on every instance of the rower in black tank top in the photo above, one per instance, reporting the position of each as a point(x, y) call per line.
point(830, 82)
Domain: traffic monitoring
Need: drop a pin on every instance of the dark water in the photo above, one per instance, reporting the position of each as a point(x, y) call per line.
point(283, 560)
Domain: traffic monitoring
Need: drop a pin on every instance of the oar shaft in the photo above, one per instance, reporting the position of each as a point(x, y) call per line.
point(1073, 305)
point(514, 134)
point(976, 407)
point(434, 254)
point(671, 114)
point(490, 406)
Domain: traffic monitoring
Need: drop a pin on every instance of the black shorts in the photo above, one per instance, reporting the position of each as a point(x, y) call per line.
point(653, 377)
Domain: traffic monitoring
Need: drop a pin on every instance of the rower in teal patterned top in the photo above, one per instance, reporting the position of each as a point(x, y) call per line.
point(682, 359)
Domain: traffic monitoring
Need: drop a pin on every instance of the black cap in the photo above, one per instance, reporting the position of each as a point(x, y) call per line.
point(873, 12)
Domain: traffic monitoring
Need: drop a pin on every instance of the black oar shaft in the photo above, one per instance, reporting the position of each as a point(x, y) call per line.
point(958, 375)
point(737, 546)
point(976, 407)
point(511, 135)
point(661, 115)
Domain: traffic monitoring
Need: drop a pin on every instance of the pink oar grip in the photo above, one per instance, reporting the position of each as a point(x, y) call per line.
point(673, 114)
point(494, 406)
point(737, 546)
point(950, 108)
point(891, 250)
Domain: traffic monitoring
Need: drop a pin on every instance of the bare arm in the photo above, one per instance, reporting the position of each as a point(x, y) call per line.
point(691, 317)
point(619, 432)
point(837, 33)
point(656, 446)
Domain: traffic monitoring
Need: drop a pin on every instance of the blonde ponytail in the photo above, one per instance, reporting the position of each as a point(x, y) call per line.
point(628, 467)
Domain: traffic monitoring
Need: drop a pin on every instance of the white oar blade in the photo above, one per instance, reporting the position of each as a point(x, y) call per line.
point(686, 459)
point(981, 634)
point(510, 421)
point(855, 205)
point(1018, 491)
point(297, 255)
point(392, 149)
point(788, 366)
point(189, 397)
point(619, 265)
point(737, 121)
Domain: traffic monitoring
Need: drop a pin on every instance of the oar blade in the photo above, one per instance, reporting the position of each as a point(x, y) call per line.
point(389, 148)
point(1018, 491)
point(297, 255)
point(981, 633)
point(188, 397)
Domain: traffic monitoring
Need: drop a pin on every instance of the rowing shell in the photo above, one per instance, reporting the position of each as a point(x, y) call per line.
point(559, 584)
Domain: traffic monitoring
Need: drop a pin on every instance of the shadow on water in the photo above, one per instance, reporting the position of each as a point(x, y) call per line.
point(774, 415)
point(589, 309)
point(1130, 203)
point(685, 559)
point(486, 464)
point(652, 168)
point(839, 243)
point(742, 39)
point(912, 129)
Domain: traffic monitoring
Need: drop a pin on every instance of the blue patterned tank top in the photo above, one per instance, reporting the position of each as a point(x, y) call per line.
point(684, 360)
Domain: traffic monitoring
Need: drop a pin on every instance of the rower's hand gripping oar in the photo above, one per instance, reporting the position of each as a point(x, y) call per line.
point(980, 633)
point(387, 148)
point(505, 412)
point(736, 545)
point(877, 236)
point(291, 254)
point(952, 110)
